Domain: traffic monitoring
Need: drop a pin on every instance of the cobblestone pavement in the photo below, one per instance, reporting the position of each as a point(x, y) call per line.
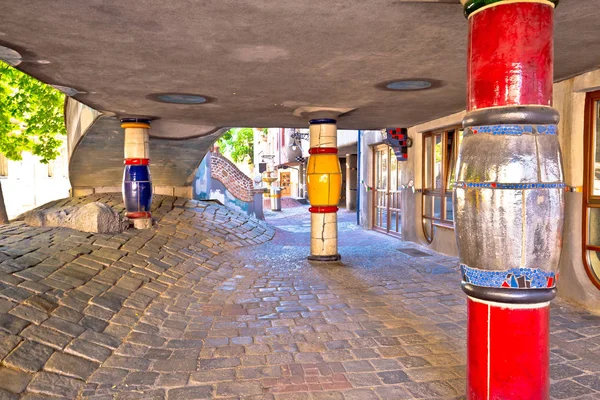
point(205, 306)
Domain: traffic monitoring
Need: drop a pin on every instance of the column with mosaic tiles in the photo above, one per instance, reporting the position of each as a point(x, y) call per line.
point(137, 181)
point(324, 181)
point(509, 197)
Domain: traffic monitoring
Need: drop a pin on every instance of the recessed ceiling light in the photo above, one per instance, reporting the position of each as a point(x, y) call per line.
point(178, 98)
point(43, 62)
point(408, 85)
point(10, 56)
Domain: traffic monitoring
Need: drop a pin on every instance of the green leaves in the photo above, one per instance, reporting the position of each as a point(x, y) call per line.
point(31, 116)
point(238, 143)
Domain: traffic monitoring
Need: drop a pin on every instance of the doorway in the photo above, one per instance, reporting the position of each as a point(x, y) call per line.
point(285, 183)
point(387, 196)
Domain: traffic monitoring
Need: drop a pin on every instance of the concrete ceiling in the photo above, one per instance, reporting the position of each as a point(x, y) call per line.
point(263, 61)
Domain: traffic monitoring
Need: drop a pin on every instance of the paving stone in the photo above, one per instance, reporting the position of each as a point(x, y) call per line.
point(100, 338)
point(590, 381)
point(55, 385)
point(13, 381)
point(5, 395)
point(70, 365)
point(108, 376)
point(567, 389)
point(29, 356)
point(239, 388)
point(191, 393)
point(88, 350)
point(11, 324)
point(141, 378)
point(172, 365)
point(131, 363)
point(562, 371)
point(7, 343)
point(393, 392)
point(41, 302)
point(46, 336)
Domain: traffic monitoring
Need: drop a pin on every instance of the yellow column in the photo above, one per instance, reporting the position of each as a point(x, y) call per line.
point(324, 181)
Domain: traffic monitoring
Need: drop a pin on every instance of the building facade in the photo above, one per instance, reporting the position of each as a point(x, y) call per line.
point(413, 199)
point(284, 153)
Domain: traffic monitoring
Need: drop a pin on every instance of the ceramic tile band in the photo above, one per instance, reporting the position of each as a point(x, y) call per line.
point(514, 278)
point(496, 185)
point(517, 115)
point(513, 130)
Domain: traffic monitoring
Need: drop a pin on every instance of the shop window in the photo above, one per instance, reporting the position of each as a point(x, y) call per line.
point(591, 189)
point(440, 152)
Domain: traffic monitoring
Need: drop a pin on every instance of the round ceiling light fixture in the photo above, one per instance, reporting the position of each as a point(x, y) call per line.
point(180, 98)
point(409, 85)
point(10, 56)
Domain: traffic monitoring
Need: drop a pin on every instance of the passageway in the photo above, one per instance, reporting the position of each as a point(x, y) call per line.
point(387, 323)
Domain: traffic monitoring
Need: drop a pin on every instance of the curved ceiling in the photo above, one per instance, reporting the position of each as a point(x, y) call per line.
point(261, 62)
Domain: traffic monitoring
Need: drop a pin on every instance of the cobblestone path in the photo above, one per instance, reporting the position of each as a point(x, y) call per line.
point(206, 306)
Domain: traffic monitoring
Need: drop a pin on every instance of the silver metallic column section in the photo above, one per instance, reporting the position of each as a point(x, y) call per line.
point(509, 204)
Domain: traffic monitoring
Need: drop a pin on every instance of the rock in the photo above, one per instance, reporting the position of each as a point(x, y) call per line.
point(93, 217)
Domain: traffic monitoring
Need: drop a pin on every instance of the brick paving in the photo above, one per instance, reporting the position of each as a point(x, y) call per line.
point(206, 306)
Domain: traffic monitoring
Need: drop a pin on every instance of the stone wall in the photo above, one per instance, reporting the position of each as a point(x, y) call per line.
point(231, 177)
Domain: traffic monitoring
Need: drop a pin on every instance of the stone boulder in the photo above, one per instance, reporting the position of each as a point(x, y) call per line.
point(93, 217)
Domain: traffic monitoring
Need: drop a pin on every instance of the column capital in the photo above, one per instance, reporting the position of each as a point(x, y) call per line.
point(471, 6)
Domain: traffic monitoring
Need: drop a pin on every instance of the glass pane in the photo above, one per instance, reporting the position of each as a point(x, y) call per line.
point(594, 262)
point(594, 226)
point(377, 169)
point(384, 169)
point(428, 229)
point(437, 168)
point(384, 217)
point(428, 161)
point(449, 209)
point(596, 177)
point(453, 156)
point(437, 207)
point(428, 206)
point(393, 171)
point(393, 222)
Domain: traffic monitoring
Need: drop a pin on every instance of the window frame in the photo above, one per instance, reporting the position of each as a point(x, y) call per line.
point(444, 191)
point(589, 199)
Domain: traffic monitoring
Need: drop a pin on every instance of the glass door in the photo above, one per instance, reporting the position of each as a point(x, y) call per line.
point(387, 200)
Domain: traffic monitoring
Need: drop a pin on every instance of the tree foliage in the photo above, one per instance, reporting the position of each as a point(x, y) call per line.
point(238, 143)
point(31, 116)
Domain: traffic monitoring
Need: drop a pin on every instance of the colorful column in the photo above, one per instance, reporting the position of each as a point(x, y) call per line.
point(509, 198)
point(324, 180)
point(137, 182)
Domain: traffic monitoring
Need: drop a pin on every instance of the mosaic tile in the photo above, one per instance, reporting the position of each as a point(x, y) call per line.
point(514, 278)
point(516, 130)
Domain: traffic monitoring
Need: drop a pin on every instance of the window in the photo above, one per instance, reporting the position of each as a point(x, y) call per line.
point(440, 152)
point(591, 189)
point(3, 166)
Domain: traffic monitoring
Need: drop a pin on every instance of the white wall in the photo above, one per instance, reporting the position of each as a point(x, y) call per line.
point(28, 185)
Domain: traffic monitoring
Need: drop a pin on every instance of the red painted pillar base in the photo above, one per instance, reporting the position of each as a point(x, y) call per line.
point(507, 355)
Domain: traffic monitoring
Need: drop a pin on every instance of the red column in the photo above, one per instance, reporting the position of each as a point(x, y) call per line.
point(509, 89)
